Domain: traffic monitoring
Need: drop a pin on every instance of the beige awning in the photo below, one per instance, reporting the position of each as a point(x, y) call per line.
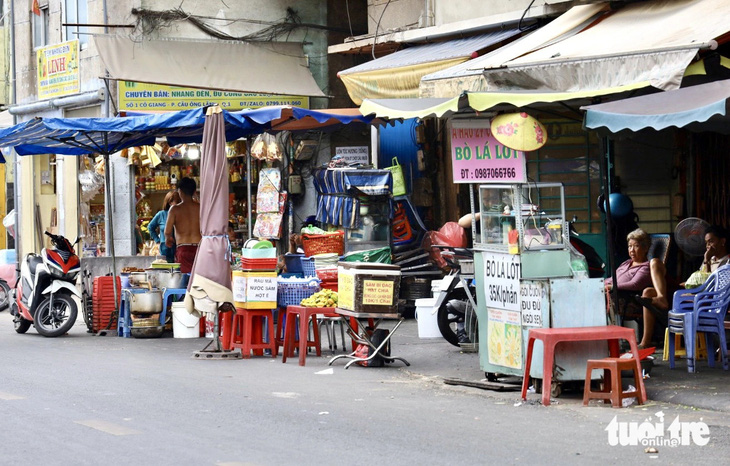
point(271, 67)
point(651, 41)
point(469, 77)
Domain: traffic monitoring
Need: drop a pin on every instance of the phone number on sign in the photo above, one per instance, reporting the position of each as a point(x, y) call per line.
point(488, 173)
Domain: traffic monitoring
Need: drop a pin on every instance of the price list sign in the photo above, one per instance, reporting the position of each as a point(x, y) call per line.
point(478, 157)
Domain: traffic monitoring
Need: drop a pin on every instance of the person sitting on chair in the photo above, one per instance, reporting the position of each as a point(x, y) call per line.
point(640, 275)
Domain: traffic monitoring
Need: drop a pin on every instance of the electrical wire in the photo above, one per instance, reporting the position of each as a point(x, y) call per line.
point(375, 39)
point(349, 22)
point(519, 24)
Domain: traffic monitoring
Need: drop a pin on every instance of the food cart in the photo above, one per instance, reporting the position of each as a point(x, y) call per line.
point(527, 275)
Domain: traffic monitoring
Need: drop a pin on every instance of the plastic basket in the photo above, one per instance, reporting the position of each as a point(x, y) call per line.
point(308, 268)
point(327, 275)
point(293, 262)
point(322, 244)
point(291, 294)
point(399, 181)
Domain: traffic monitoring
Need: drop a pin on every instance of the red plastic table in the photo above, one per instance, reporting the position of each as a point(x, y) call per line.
point(550, 337)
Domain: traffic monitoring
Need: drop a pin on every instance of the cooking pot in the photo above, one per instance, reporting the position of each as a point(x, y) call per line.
point(172, 279)
point(137, 278)
point(149, 302)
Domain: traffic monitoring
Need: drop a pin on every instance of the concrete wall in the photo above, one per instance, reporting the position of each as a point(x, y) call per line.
point(406, 14)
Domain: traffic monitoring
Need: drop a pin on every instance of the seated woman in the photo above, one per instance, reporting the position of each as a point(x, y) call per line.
point(639, 275)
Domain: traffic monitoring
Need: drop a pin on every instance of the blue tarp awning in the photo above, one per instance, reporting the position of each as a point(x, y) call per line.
point(338, 191)
point(77, 136)
point(704, 106)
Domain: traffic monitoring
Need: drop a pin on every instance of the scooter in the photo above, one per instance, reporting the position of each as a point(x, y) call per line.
point(44, 294)
point(456, 302)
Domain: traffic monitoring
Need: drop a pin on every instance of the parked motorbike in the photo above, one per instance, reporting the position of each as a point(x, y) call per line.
point(4, 295)
point(44, 294)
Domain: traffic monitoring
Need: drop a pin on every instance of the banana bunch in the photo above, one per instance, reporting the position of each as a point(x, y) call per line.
point(322, 298)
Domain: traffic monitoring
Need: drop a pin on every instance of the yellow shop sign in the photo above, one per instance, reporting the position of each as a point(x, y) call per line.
point(58, 70)
point(134, 96)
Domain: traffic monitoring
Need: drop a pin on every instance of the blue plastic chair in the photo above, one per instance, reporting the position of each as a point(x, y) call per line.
point(687, 307)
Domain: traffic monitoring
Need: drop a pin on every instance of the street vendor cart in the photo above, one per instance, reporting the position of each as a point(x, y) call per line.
point(527, 277)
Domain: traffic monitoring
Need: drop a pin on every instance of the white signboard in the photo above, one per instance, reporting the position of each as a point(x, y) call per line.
point(532, 294)
point(502, 279)
point(354, 154)
point(239, 288)
point(259, 289)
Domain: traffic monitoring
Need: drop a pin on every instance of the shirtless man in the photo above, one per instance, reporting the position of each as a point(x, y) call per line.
point(183, 221)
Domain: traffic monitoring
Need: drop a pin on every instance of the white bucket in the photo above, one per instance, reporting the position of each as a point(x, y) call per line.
point(426, 316)
point(184, 324)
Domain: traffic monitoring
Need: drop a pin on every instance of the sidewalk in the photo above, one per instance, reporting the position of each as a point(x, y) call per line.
point(435, 358)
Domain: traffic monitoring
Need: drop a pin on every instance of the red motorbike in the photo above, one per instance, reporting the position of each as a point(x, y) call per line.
point(44, 294)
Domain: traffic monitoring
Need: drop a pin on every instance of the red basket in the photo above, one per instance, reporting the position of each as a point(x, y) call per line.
point(324, 244)
point(327, 275)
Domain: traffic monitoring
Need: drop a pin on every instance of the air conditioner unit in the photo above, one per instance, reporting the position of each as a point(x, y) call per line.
point(305, 149)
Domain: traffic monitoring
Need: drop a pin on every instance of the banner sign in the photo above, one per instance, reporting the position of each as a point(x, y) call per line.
point(58, 70)
point(133, 96)
point(354, 154)
point(502, 274)
point(477, 156)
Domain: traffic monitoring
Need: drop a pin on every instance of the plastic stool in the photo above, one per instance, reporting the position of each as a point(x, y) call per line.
point(247, 332)
point(169, 293)
point(304, 314)
point(612, 387)
point(680, 350)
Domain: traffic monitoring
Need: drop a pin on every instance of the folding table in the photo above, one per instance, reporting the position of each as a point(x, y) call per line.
point(360, 335)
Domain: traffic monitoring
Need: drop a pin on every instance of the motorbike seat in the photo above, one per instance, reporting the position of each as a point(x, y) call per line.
point(33, 263)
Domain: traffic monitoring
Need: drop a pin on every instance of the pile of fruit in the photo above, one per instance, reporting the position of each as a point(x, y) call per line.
point(322, 298)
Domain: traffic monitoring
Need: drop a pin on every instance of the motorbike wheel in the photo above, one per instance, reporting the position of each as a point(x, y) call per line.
point(447, 321)
point(59, 320)
point(21, 325)
point(4, 295)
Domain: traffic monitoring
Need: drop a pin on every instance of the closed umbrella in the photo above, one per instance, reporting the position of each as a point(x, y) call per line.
point(210, 278)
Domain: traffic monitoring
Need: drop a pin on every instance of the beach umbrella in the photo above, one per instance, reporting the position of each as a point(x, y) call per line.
point(210, 277)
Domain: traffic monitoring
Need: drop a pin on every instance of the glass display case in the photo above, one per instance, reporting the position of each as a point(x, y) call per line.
point(522, 218)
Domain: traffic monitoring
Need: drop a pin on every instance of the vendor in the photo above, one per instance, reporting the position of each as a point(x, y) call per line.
point(157, 226)
point(716, 253)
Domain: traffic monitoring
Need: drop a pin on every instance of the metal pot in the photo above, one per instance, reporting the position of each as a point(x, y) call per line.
point(136, 278)
point(149, 302)
point(172, 279)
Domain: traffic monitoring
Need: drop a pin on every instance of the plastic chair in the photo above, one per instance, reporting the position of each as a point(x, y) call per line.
point(709, 317)
point(681, 318)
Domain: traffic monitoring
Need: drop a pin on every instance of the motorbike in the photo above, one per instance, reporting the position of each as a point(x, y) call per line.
point(45, 295)
point(4, 295)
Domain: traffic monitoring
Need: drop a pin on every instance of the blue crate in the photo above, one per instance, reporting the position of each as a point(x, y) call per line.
point(308, 267)
point(292, 293)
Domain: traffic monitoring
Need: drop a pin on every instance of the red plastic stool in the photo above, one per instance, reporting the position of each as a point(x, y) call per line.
point(247, 332)
point(304, 314)
point(612, 387)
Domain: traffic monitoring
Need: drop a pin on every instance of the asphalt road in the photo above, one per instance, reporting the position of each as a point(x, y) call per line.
point(81, 399)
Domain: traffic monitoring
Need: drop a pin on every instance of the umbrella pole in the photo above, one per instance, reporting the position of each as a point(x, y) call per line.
point(615, 318)
point(110, 229)
point(248, 186)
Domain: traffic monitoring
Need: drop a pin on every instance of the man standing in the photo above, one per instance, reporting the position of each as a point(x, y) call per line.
point(183, 221)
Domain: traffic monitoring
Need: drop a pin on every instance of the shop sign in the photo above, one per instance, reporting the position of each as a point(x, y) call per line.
point(504, 341)
point(134, 96)
point(250, 288)
point(377, 292)
point(58, 70)
point(502, 280)
point(533, 294)
point(478, 157)
point(354, 154)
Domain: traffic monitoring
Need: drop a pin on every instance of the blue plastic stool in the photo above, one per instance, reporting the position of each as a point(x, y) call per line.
point(169, 293)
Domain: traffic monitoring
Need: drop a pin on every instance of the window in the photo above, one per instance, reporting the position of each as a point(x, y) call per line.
point(77, 13)
point(40, 28)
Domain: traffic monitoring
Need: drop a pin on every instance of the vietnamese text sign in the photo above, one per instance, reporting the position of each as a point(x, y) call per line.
point(58, 70)
point(502, 279)
point(478, 157)
point(346, 290)
point(261, 289)
point(504, 341)
point(377, 292)
point(134, 96)
point(239, 288)
point(354, 154)
point(532, 294)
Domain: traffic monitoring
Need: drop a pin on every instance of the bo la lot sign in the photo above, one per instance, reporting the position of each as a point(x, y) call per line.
point(478, 157)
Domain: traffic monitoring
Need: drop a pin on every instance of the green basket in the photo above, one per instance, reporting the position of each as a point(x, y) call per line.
point(399, 181)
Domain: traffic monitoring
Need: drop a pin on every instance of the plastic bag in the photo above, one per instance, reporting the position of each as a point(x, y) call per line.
point(267, 147)
point(451, 234)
